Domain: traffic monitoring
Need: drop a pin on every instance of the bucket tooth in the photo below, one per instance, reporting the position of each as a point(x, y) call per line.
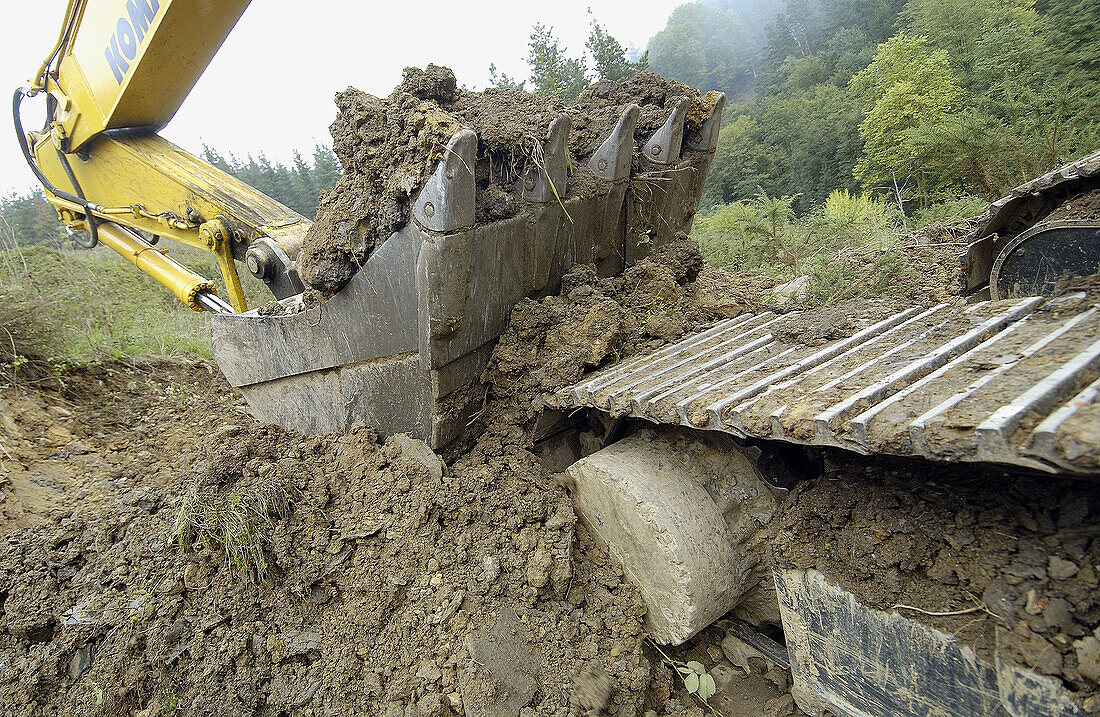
point(612, 160)
point(446, 204)
point(707, 140)
point(664, 146)
point(547, 183)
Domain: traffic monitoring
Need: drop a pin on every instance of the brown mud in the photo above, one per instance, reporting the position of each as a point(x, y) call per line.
point(161, 552)
point(389, 147)
point(311, 575)
point(1015, 558)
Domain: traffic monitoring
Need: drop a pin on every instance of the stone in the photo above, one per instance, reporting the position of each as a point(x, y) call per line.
point(420, 452)
point(80, 661)
point(650, 499)
point(226, 431)
point(1088, 657)
point(743, 655)
point(1060, 569)
point(302, 643)
point(1058, 615)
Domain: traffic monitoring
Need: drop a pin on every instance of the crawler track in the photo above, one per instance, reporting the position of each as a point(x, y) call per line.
point(1010, 382)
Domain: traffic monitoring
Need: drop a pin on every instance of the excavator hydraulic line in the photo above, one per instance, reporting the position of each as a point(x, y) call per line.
point(189, 287)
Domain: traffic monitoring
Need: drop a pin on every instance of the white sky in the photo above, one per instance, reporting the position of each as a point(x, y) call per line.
point(270, 87)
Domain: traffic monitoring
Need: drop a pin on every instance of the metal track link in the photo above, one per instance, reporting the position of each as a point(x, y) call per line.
point(1013, 383)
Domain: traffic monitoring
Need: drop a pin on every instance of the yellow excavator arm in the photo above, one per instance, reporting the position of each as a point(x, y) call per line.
point(118, 73)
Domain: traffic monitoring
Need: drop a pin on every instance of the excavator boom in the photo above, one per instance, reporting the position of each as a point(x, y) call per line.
point(118, 73)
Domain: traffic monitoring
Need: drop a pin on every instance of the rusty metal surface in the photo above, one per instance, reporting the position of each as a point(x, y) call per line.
point(1011, 382)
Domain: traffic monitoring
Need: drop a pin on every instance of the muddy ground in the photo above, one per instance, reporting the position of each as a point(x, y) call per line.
point(162, 553)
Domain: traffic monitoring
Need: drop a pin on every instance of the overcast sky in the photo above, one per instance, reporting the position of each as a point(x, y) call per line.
point(270, 87)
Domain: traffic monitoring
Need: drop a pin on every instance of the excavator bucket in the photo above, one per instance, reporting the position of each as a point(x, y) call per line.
point(401, 347)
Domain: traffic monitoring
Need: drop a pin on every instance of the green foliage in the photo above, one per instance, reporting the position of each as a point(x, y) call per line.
point(503, 81)
point(713, 46)
point(950, 209)
point(845, 247)
point(904, 87)
point(552, 71)
point(237, 523)
point(609, 58)
point(298, 186)
point(697, 680)
point(1071, 57)
point(79, 306)
point(28, 220)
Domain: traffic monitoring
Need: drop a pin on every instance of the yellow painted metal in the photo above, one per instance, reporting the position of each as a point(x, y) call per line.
point(147, 183)
point(217, 235)
point(131, 63)
point(180, 280)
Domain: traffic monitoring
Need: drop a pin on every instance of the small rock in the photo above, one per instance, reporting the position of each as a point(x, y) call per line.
point(781, 706)
point(723, 676)
point(1060, 569)
point(307, 694)
point(1073, 513)
point(741, 654)
point(1034, 604)
point(80, 662)
point(999, 598)
point(780, 677)
point(420, 452)
point(1088, 657)
point(227, 431)
point(791, 292)
point(429, 671)
point(76, 448)
point(592, 688)
point(1058, 615)
point(302, 643)
point(491, 566)
point(538, 567)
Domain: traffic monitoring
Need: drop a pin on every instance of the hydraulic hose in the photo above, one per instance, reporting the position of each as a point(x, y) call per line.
point(77, 198)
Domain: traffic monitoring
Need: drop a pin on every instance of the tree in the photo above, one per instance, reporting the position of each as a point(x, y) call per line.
point(1072, 54)
point(298, 187)
point(500, 80)
point(552, 72)
point(710, 46)
point(904, 87)
point(676, 52)
point(609, 56)
point(31, 220)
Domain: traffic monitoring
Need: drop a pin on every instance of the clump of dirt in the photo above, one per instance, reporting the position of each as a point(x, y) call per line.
point(1084, 206)
point(596, 111)
point(389, 147)
point(1016, 557)
point(553, 341)
point(375, 579)
point(1090, 285)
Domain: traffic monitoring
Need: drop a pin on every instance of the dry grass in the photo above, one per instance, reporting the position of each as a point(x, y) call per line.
point(235, 522)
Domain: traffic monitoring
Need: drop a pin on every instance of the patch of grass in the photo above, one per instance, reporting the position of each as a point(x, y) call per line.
point(235, 522)
point(848, 247)
point(74, 306)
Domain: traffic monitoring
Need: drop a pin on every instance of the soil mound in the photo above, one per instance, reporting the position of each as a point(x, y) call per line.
point(252, 571)
point(389, 147)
